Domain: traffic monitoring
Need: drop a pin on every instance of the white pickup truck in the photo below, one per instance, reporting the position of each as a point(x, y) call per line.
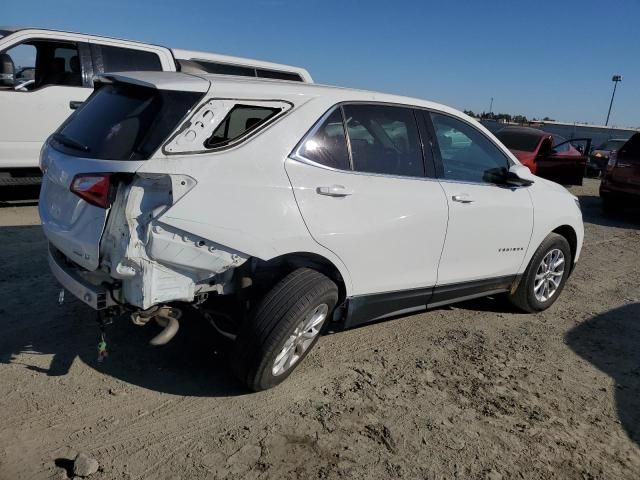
point(46, 74)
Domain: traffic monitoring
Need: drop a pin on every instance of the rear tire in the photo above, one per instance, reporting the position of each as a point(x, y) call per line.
point(545, 276)
point(283, 328)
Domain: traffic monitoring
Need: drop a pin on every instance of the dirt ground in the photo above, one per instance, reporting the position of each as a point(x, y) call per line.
point(470, 391)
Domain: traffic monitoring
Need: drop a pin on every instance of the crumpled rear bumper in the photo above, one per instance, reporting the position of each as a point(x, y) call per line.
point(87, 286)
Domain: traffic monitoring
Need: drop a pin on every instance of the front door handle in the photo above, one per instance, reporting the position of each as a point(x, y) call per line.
point(464, 198)
point(334, 191)
point(75, 104)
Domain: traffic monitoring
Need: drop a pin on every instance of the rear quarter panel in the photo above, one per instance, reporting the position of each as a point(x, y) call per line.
point(243, 198)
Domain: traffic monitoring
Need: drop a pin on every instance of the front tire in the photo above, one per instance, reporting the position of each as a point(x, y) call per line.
point(284, 327)
point(545, 276)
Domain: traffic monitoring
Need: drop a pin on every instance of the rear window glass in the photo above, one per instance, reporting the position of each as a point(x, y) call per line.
point(611, 145)
point(239, 122)
point(226, 69)
point(631, 150)
point(117, 59)
point(278, 75)
point(522, 141)
point(123, 122)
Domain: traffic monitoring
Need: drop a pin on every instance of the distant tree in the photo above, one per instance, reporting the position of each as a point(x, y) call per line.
point(470, 113)
point(547, 119)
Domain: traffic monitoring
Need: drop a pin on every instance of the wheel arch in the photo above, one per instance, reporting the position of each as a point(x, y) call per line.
point(286, 263)
point(568, 232)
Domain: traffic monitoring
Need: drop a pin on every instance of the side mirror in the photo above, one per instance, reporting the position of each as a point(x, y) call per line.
point(519, 176)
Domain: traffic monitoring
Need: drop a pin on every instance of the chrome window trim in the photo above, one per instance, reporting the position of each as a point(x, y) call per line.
point(297, 156)
point(185, 123)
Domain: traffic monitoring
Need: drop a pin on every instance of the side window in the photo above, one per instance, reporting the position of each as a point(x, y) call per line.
point(630, 151)
point(467, 155)
point(226, 68)
point(67, 61)
point(117, 59)
point(36, 64)
point(328, 145)
point(384, 139)
point(18, 65)
point(240, 121)
point(278, 75)
point(562, 146)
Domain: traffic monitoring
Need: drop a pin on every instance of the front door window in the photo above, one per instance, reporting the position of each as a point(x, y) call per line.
point(36, 64)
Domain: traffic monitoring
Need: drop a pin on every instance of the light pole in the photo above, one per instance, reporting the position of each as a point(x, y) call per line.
point(491, 107)
point(615, 79)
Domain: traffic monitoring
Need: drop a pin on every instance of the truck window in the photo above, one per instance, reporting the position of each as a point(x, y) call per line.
point(278, 75)
point(117, 59)
point(38, 63)
point(226, 68)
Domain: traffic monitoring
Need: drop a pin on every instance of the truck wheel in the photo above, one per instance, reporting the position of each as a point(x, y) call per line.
point(544, 278)
point(283, 329)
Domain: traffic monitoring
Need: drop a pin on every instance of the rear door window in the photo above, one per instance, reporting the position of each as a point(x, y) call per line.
point(117, 59)
point(384, 139)
point(328, 144)
point(123, 122)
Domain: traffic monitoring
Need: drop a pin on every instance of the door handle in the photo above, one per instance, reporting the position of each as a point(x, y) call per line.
point(462, 198)
point(334, 191)
point(75, 104)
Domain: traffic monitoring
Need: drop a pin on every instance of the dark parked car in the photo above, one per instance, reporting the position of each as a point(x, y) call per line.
point(600, 156)
point(620, 183)
point(547, 155)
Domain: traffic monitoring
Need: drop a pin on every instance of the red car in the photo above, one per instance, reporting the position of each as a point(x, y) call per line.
point(621, 180)
point(547, 155)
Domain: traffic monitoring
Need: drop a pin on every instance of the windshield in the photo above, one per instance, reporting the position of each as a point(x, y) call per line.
point(514, 140)
point(123, 122)
point(610, 145)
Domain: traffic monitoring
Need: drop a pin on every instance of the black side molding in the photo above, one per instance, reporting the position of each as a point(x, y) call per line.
point(369, 308)
point(75, 104)
point(456, 292)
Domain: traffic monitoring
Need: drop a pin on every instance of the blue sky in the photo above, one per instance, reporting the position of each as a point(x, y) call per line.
point(539, 58)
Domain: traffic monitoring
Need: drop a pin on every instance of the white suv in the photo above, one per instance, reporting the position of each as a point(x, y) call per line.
point(297, 203)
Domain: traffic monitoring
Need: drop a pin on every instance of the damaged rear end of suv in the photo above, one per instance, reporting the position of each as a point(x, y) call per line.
point(153, 198)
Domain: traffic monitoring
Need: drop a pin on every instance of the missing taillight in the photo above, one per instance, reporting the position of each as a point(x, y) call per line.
point(94, 188)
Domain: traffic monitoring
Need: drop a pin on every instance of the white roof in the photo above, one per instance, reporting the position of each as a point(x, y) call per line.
point(160, 80)
point(227, 86)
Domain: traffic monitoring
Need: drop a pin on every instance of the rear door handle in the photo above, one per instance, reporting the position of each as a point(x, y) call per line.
point(464, 198)
point(334, 191)
point(75, 104)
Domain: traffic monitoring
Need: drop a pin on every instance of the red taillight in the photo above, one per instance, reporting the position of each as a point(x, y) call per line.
point(93, 188)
